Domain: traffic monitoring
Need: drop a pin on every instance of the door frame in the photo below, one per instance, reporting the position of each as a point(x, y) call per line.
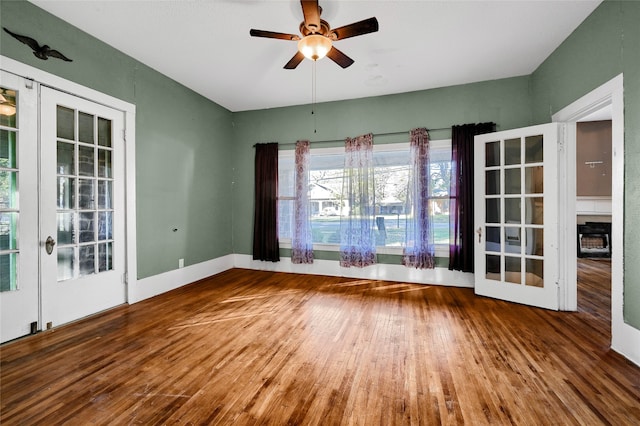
point(624, 338)
point(44, 78)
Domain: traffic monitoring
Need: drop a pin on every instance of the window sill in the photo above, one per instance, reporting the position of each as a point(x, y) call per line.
point(442, 250)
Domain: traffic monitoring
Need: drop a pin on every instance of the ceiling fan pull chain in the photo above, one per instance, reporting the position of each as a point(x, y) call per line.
point(313, 95)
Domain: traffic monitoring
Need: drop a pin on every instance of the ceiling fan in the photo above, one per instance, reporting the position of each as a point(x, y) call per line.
point(317, 37)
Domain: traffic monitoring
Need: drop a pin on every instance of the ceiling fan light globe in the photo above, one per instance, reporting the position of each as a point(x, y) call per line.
point(314, 46)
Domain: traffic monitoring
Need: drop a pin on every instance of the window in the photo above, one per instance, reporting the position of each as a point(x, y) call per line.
point(391, 176)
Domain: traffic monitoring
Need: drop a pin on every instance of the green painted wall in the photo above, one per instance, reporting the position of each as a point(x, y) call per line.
point(506, 102)
point(606, 44)
point(183, 141)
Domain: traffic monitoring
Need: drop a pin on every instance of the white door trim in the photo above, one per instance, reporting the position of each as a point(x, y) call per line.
point(129, 110)
point(624, 338)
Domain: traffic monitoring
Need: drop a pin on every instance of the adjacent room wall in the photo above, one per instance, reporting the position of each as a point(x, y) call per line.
point(183, 141)
point(606, 44)
point(593, 159)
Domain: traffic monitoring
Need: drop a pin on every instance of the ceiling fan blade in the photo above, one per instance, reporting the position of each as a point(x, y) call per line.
point(295, 61)
point(271, 34)
point(357, 28)
point(311, 14)
point(339, 58)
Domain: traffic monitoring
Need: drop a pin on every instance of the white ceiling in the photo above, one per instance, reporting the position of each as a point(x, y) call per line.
point(205, 44)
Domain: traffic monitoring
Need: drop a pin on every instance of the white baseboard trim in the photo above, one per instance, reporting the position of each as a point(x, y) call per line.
point(161, 283)
point(152, 286)
point(439, 276)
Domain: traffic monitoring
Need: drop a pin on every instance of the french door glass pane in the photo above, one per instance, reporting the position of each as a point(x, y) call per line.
point(535, 241)
point(8, 231)
point(533, 149)
point(66, 196)
point(104, 163)
point(105, 256)
point(87, 260)
point(513, 269)
point(85, 127)
point(66, 263)
point(493, 267)
point(8, 149)
point(66, 155)
point(512, 153)
point(512, 239)
point(492, 154)
point(535, 272)
point(8, 190)
point(535, 210)
point(65, 123)
point(8, 119)
point(492, 183)
point(104, 132)
point(85, 161)
point(492, 239)
point(87, 227)
point(85, 194)
point(9, 272)
point(512, 210)
point(66, 228)
point(493, 210)
point(105, 225)
point(104, 194)
point(512, 181)
point(534, 180)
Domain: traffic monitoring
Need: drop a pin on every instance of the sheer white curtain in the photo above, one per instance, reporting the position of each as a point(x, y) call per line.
point(357, 236)
point(419, 245)
point(301, 241)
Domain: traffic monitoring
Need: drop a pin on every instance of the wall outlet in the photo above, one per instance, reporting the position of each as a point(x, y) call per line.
point(180, 263)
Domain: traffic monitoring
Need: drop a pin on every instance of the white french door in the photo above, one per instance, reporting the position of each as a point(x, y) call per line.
point(62, 207)
point(19, 296)
point(82, 207)
point(516, 215)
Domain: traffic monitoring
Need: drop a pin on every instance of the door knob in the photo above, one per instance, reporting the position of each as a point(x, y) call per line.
point(49, 244)
point(479, 232)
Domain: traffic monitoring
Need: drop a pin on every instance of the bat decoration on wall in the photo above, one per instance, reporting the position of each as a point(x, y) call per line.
point(43, 52)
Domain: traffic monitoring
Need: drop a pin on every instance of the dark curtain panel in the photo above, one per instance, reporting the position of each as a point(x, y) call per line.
point(265, 217)
point(461, 192)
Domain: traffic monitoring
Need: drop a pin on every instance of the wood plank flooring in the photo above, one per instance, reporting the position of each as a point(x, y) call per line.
point(248, 348)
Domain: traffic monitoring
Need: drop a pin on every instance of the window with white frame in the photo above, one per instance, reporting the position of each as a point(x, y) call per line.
point(391, 178)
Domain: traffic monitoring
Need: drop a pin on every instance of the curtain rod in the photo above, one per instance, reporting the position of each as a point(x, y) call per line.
point(375, 134)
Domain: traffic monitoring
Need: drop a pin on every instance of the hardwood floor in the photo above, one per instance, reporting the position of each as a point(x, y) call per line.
point(247, 347)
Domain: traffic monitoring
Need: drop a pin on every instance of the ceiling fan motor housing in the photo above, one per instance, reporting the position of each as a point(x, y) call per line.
point(325, 30)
